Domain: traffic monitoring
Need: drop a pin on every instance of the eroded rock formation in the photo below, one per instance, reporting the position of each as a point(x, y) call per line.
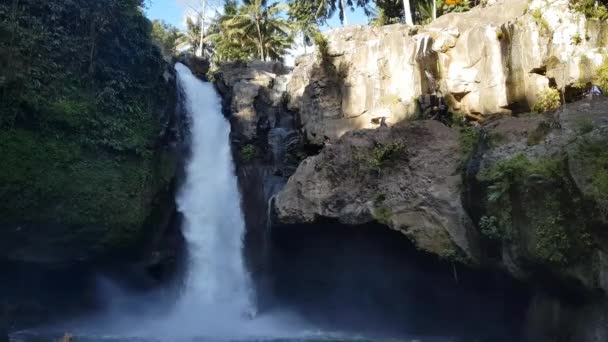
point(491, 60)
point(534, 190)
point(406, 176)
point(266, 145)
point(520, 193)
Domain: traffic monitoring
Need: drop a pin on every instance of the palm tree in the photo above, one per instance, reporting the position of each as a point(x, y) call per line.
point(229, 44)
point(258, 21)
point(426, 11)
point(302, 14)
point(386, 12)
point(190, 38)
point(343, 18)
point(429, 10)
point(324, 9)
point(199, 8)
point(407, 12)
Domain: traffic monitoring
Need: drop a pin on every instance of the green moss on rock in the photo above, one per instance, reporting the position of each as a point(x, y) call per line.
point(537, 201)
point(248, 152)
point(96, 195)
point(383, 215)
point(468, 139)
point(594, 156)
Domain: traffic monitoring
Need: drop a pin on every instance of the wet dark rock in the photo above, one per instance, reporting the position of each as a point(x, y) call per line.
point(198, 65)
point(405, 177)
point(266, 144)
point(3, 332)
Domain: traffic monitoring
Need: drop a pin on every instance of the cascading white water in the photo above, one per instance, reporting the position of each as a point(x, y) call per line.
point(217, 287)
point(215, 302)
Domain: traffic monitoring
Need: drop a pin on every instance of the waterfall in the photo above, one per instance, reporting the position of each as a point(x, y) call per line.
point(215, 300)
point(217, 289)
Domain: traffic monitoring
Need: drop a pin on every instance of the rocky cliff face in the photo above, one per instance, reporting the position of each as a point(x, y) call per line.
point(531, 188)
point(520, 193)
point(406, 177)
point(490, 60)
point(266, 143)
point(530, 200)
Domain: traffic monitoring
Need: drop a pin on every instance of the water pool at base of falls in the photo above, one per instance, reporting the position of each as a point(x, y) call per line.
point(302, 337)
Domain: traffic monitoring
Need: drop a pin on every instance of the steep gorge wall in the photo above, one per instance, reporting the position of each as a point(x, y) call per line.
point(490, 60)
point(90, 149)
point(520, 194)
point(523, 195)
point(267, 147)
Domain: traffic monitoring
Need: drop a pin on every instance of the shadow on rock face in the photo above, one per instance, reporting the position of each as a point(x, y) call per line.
point(3, 333)
point(372, 279)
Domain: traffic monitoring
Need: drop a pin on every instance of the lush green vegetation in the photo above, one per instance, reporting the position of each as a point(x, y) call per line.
point(594, 156)
point(383, 154)
point(168, 37)
point(248, 152)
point(592, 9)
point(468, 139)
point(81, 93)
point(548, 100)
point(305, 22)
point(422, 11)
point(536, 201)
point(601, 76)
point(254, 30)
point(490, 228)
point(258, 29)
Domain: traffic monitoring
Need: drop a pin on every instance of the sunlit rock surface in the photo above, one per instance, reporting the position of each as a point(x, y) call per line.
point(548, 164)
point(490, 60)
point(406, 177)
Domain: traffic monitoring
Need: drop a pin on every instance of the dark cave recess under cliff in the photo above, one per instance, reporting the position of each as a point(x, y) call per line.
point(373, 279)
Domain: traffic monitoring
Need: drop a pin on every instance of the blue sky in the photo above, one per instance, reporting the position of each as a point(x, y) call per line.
point(167, 10)
point(172, 11)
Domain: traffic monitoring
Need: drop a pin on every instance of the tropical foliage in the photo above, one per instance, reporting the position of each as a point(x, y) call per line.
point(257, 29)
point(592, 9)
point(304, 21)
point(428, 10)
point(226, 43)
point(254, 30)
point(547, 100)
point(167, 36)
point(324, 9)
point(416, 11)
point(81, 89)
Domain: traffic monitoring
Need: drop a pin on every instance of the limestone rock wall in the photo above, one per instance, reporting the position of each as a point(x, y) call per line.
point(405, 177)
point(490, 60)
